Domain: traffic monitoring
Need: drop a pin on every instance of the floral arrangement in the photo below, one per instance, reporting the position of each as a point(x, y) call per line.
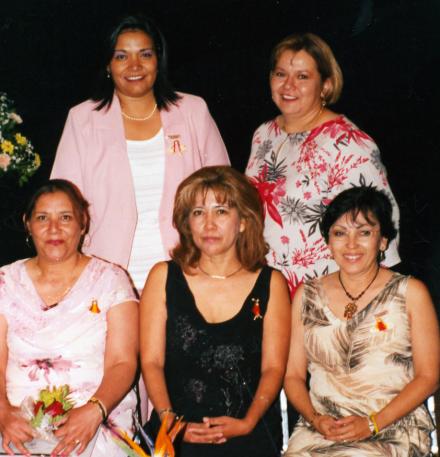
point(17, 155)
point(49, 408)
point(162, 447)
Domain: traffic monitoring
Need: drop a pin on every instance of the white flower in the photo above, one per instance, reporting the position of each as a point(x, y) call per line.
point(16, 118)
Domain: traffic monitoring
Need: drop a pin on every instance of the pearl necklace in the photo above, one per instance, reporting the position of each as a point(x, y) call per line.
point(132, 118)
point(351, 308)
point(220, 276)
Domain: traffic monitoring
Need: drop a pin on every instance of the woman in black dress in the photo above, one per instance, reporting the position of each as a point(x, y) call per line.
point(215, 322)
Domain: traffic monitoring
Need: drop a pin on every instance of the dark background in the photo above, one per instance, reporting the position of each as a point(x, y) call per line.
point(388, 51)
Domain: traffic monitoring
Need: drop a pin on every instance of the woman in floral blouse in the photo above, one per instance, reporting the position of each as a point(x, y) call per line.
point(306, 156)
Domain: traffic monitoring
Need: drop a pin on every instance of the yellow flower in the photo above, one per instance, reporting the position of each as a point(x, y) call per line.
point(20, 139)
point(7, 147)
point(37, 160)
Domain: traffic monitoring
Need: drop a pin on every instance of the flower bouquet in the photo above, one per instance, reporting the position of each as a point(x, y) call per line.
point(17, 155)
point(43, 414)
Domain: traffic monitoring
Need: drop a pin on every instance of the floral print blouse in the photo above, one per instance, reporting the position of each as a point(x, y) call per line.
point(297, 175)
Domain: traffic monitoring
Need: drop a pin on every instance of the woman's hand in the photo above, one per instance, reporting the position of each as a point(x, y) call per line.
point(77, 429)
point(14, 429)
point(350, 428)
point(229, 427)
point(198, 432)
point(324, 425)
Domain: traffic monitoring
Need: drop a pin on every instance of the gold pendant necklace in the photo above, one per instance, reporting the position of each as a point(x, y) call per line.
point(351, 308)
point(133, 118)
point(219, 276)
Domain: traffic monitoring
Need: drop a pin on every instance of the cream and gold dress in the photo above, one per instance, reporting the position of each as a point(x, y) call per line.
point(357, 367)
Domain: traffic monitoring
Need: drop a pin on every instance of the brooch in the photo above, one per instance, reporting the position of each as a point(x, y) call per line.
point(380, 325)
point(176, 146)
point(256, 311)
point(94, 308)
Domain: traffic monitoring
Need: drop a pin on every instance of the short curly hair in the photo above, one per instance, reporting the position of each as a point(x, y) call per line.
point(366, 200)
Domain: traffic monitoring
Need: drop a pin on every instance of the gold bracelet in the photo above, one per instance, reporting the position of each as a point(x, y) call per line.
point(372, 421)
point(101, 406)
point(165, 410)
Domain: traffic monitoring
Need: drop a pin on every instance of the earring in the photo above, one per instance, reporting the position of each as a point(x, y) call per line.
point(381, 256)
point(28, 241)
point(323, 102)
point(108, 75)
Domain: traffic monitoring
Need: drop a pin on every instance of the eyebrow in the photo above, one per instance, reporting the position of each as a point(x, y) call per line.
point(216, 205)
point(140, 50)
point(366, 224)
point(65, 211)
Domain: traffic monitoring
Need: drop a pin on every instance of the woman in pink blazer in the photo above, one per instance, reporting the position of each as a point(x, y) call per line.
point(136, 105)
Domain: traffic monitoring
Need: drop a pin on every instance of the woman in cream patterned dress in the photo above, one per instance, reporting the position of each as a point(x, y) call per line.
point(369, 339)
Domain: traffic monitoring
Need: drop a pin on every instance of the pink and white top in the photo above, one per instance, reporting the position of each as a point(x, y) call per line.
point(297, 175)
point(65, 344)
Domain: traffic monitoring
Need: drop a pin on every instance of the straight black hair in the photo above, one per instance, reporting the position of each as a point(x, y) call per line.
point(164, 92)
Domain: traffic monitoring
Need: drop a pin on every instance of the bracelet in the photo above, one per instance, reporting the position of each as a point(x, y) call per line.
point(101, 406)
point(165, 410)
point(372, 424)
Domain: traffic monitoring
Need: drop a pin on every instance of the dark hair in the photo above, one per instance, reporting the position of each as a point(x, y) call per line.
point(368, 201)
point(229, 186)
point(79, 203)
point(320, 51)
point(164, 92)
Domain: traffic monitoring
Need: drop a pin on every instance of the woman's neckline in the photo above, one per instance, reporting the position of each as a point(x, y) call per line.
point(148, 140)
point(43, 305)
point(232, 318)
point(325, 301)
point(337, 118)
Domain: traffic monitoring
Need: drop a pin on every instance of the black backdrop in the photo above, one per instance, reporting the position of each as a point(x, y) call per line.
point(219, 49)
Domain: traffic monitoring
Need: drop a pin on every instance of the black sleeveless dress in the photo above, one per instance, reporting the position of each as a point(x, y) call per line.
point(214, 369)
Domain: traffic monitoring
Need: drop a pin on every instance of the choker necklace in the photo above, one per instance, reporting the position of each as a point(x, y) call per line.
point(219, 276)
point(351, 308)
point(133, 118)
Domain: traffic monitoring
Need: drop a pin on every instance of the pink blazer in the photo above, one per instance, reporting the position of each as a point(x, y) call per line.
point(93, 154)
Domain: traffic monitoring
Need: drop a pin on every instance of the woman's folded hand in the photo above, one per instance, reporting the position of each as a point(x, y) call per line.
point(350, 428)
point(76, 429)
point(14, 429)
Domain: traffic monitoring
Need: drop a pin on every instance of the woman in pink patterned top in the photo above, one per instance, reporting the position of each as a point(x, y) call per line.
point(66, 319)
point(306, 156)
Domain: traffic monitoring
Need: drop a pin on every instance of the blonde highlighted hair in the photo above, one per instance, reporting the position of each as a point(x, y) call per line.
point(233, 188)
point(321, 53)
